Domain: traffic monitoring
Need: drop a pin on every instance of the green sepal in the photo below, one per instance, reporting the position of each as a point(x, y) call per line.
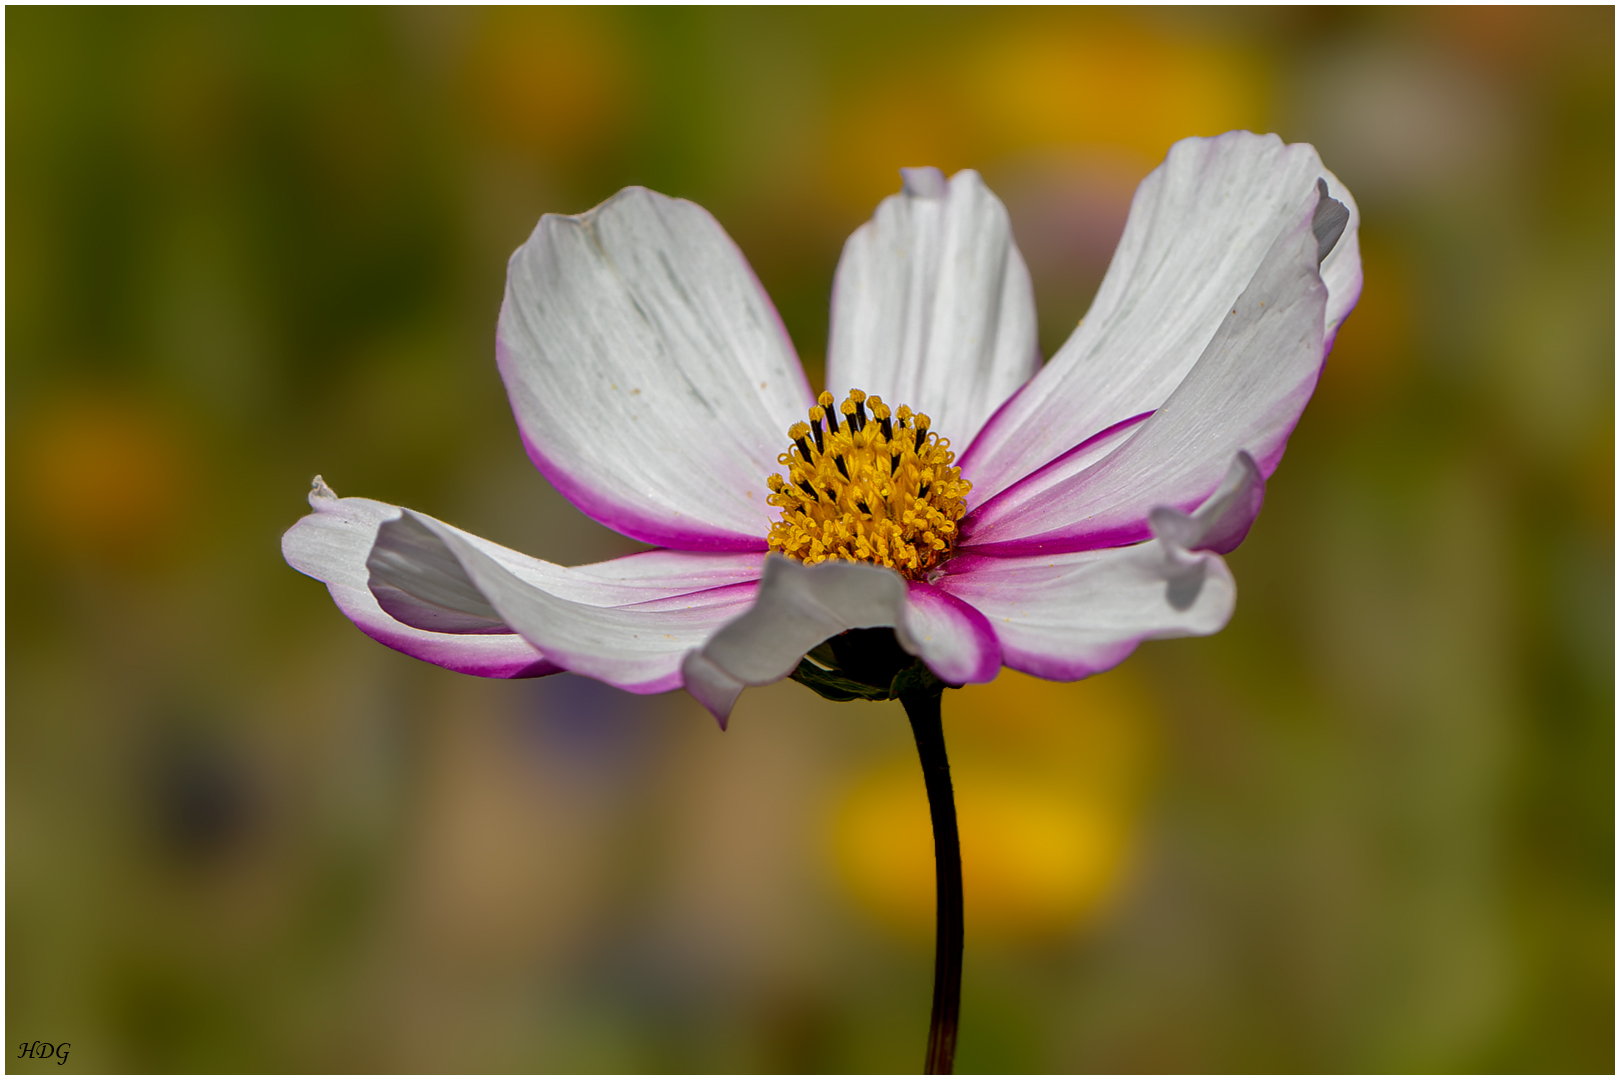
point(833, 686)
point(820, 672)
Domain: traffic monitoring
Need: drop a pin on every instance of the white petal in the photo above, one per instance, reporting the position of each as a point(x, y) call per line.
point(932, 306)
point(1069, 616)
point(1221, 524)
point(404, 578)
point(331, 545)
point(714, 688)
point(636, 646)
point(799, 607)
point(1199, 226)
point(954, 639)
point(651, 378)
point(1245, 394)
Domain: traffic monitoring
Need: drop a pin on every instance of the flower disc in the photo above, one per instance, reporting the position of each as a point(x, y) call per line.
point(878, 488)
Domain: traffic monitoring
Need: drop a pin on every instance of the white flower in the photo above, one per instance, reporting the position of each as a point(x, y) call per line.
point(1069, 512)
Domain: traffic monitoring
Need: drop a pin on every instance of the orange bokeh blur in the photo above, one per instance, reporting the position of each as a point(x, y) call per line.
point(103, 476)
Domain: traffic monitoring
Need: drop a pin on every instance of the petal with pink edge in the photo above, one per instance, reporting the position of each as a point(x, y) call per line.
point(331, 545)
point(800, 606)
point(953, 637)
point(395, 573)
point(1223, 522)
point(1245, 394)
point(1199, 227)
point(636, 646)
point(1068, 616)
point(651, 377)
point(932, 305)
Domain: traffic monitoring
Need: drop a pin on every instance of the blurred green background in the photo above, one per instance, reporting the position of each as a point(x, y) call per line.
point(1368, 827)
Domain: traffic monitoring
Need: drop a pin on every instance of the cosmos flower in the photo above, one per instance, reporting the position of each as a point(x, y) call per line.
point(992, 510)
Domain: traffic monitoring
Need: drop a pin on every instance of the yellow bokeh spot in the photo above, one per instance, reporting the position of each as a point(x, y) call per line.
point(887, 124)
point(1048, 780)
point(1033, 81)
point(1114, 84)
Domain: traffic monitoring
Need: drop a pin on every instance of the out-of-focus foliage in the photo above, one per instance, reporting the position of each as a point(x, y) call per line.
point(1369, 827)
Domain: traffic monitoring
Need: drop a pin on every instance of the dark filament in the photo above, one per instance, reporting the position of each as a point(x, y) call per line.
point(804, 447)
point(815, 429)
point(839, 461)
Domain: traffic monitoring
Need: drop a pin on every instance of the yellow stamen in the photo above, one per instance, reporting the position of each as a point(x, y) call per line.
point(879, 489)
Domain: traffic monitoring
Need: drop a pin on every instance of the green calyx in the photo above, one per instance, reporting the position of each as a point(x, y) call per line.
point(865, 665)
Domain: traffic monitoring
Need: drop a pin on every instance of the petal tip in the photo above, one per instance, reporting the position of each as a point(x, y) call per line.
point(925, 182)
point(319, 493)
point(1222, 522)
point(713, 687)
point(1174, 526)
point(1328, 222)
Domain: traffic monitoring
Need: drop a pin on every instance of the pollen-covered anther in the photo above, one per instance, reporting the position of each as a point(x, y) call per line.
point(879, 487)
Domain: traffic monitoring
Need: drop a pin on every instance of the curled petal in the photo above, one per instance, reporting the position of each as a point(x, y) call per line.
point(332, 544)
point(1223, 522)
point(1245, 394)
point(446, 596)
point(954, 638)
point(650, 375)
point(932, 305)
point(1200, 227)
point(799, 607)
point(715, 688)
point(636, 646)
point(1069, 616)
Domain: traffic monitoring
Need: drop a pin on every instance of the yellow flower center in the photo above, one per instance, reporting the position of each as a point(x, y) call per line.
point(867, 486)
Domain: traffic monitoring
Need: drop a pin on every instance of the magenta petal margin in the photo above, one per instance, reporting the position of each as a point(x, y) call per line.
point(654, 385)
